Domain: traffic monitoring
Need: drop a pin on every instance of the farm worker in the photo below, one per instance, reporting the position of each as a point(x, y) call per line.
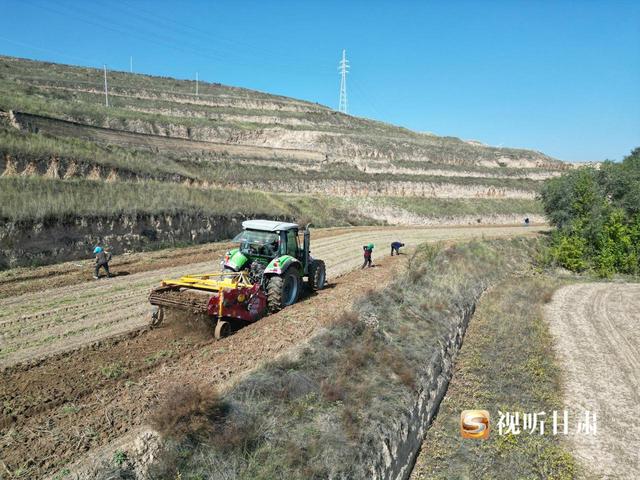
point(102, 261)
point(526, 221)
point(368, 249)
point(395, 248)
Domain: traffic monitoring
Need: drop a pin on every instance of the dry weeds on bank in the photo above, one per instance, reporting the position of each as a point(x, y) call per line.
point(34, 199)
point(321, 413)
point(506, 364)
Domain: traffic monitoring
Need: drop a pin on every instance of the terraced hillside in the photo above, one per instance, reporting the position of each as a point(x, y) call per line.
point(161, 155)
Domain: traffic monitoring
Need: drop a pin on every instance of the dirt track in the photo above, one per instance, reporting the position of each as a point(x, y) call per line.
point(598, 343)
point(60, 400)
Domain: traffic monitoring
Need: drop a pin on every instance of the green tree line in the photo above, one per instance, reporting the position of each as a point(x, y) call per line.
point(597, 215)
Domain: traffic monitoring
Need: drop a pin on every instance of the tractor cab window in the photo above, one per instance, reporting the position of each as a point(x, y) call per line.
point(292, 243)
point(256, 242)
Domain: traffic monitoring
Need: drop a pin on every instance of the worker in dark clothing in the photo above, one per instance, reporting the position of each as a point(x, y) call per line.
point(368, 250)
point(526, 222)
point(395, 248)
point(102, 261)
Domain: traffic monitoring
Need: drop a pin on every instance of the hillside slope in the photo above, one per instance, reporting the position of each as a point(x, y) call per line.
point(146, 104)
point(159, 155)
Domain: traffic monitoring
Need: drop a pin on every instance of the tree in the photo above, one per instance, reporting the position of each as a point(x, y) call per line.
point(597, 213)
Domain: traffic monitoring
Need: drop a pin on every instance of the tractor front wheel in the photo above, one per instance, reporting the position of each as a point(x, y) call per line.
point(283, 290)
point(317, 275)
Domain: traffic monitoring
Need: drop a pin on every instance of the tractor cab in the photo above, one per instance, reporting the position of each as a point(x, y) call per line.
point(267, 240)
point(269, 251)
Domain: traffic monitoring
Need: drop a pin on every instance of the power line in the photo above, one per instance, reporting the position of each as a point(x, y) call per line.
point(204, 48)
point(45, 50)
point(206, 37)
point(343, 67)
point(360, 94)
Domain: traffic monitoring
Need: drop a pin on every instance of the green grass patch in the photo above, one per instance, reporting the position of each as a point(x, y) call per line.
point(70, 409)
point(34, 198)
point(36, 147)
point(159, 355)
point(506, 364)
point(113, 370)
point(37, 198)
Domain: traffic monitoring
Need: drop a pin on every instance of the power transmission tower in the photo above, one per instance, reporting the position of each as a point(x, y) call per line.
point(106, 91)
point(343, 67)
point(196, 84)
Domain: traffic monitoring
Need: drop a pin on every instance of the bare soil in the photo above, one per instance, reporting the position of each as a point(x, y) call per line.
point(598, 342)
point(58, 410)
point(80, 369)
point(49, 322)
point(18, 281)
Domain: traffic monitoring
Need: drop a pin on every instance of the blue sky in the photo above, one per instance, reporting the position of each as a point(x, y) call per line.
point(562, 77)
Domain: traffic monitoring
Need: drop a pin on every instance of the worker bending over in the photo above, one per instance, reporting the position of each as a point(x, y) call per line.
point(395, 248)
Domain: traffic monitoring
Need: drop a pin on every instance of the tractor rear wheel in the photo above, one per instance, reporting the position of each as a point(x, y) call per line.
point(317, 275)
point(283, 290)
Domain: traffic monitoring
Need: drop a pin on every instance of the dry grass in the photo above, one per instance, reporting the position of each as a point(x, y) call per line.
point(187, 412)
point(37, 199)
point(506, 363)
point(317, 415)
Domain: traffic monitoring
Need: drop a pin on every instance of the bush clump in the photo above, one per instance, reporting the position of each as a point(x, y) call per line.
point(597, 213)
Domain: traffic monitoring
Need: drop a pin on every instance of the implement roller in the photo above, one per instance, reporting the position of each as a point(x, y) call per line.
point(222, 296)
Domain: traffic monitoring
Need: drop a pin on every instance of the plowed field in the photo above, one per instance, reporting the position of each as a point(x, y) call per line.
point(80, 368)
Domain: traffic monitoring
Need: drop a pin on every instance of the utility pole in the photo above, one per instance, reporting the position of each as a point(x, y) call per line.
point(106, 91)
point(131, 64)
point(196, 84)
point(343, 67)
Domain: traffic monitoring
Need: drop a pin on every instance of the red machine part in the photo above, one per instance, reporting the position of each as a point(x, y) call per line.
point(243, 303)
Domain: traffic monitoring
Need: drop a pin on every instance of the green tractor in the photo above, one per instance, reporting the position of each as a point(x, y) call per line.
point(271, 255)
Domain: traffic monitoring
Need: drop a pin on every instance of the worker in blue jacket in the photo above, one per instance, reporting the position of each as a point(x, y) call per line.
point(102, 261)
point(395, 248)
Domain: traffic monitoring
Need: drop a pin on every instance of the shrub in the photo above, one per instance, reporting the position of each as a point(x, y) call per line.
point(569, 251)
point(187, 411)
point(598, 219)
